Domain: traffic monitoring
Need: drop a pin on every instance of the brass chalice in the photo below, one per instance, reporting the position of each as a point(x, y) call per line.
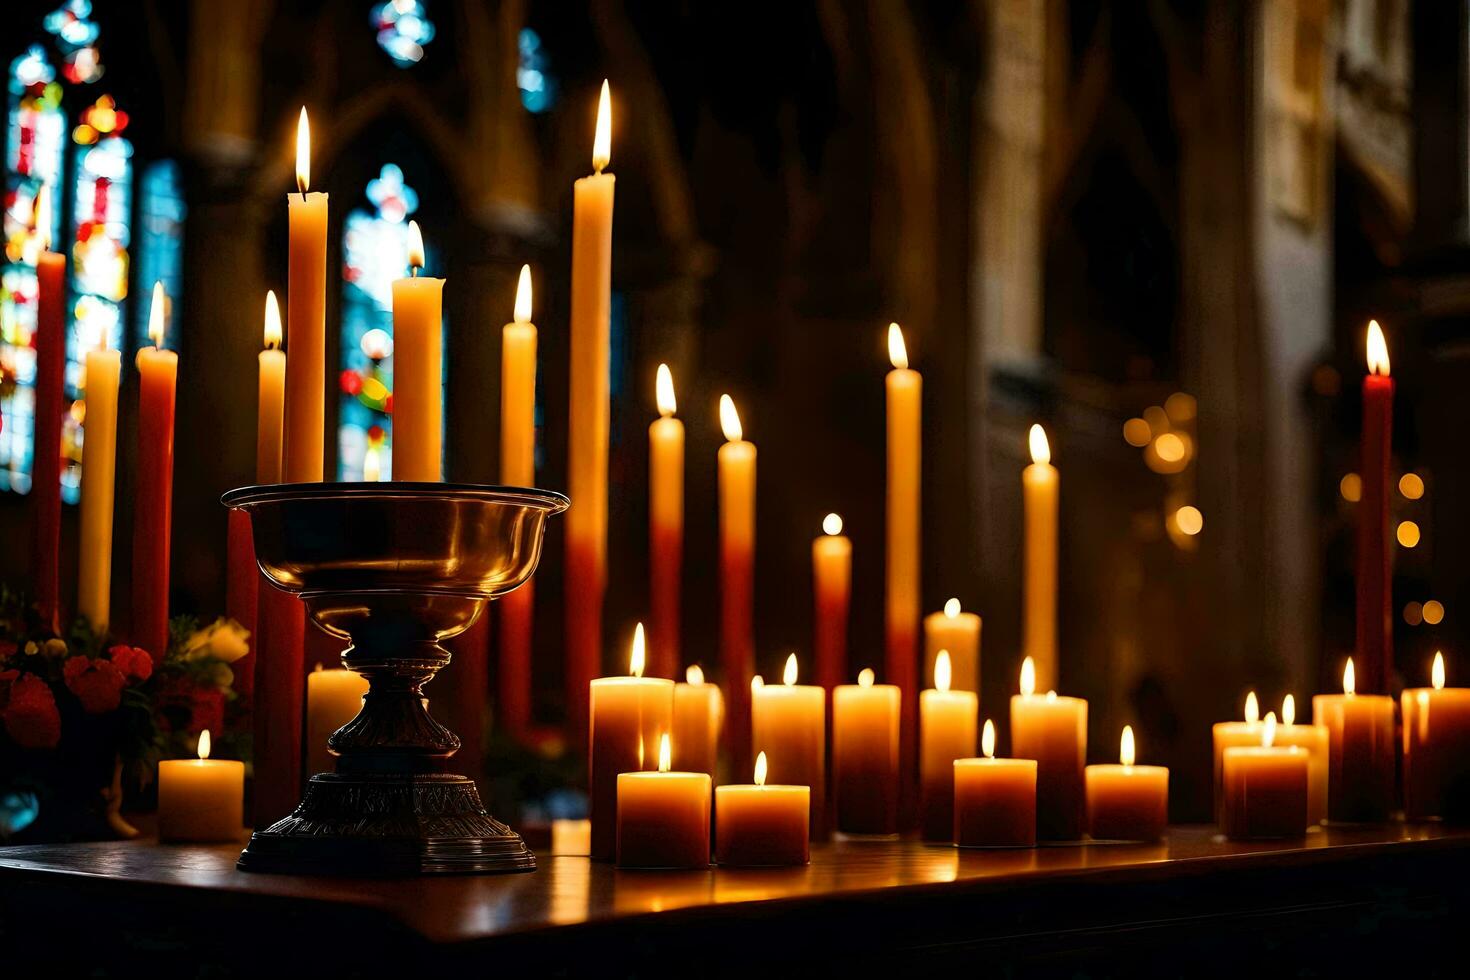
point(396, 569)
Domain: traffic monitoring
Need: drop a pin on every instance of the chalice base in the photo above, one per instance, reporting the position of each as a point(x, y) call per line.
point(388, 824)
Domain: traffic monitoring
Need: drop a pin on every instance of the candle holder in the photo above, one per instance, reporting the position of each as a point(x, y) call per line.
point(395, 569)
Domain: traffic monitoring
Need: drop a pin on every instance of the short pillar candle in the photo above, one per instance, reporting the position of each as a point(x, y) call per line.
point(1053, 731)
point(762, 825)
point(994, 799)
point(663, 816)
point(1360, 752)
point(1265, 789)
point(699, 712)
point(865, 756)
point(958, 632)
point(1127, 801)
point(789, 724)
point(1231, 733)
point(1314, 739)
point(201, 799)
point(947, 728)
point(1437, 750)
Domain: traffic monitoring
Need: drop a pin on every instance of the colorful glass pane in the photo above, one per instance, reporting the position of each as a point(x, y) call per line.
point(160, 250)
point(76, 38)
point(403, 28)
point(533, 76)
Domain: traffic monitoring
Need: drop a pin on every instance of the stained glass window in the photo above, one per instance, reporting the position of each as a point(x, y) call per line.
point(101, 213)
point(160, 243)
point(35, 135)
point(403, 28)
point(533, 78)
point(75, 32)
point(374, 253)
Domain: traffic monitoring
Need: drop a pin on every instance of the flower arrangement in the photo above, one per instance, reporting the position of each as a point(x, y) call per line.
point(82, 715)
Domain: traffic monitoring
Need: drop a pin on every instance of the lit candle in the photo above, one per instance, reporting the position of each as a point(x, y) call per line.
point(1437, 749)
point(994, 799)
point(272, 398)
point(1040, 489)
point(865, 719)
point(517, 469)
point(1314, 739)
point(418, 370)
point(699, 710)
point(587, 426)
point(737, 578)
point(201, 799)
point(947, 726)
point(832, 592)
point(306, 322)
point(1229, 733)
point(1360, 755)
point(959, 633)
point(1265, 788)
point(333, 698)
point(50, 344)
point(663, 816)
point(628, 717)
point(99, 468)
point(1053, 731)
point(789, 724)
point(905, 388)
point(665, 525)
point(158, 371)
point(1127, 802)
point(762, 825)
point(1375, 582)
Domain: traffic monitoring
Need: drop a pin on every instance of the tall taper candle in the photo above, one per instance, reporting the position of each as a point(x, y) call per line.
point(517, 469)
point(99, 470)
point(905, 437)
point(50, 343)
point(665, 527)
point(737, 581)
point(418, 370)
point(1040, 485)
point(1375, 581)
point(832, 597)
point(306, 322)
point(158, 372)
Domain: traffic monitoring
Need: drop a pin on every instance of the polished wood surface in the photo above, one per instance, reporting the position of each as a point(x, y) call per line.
point(881, 898)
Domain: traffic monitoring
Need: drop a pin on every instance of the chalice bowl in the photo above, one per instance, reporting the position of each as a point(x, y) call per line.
point(395, 569)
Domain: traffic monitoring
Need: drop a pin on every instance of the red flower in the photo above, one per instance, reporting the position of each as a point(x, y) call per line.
point(134, 662)
point(96, 683)
point(29, 711)
point(185, 706)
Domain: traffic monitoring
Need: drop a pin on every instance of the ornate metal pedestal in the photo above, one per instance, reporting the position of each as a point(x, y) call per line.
point(395, 568)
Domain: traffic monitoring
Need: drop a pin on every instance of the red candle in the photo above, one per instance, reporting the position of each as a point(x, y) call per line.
point(737, 580)
point(158, 371)
point(280, 693)
point(1437, 750)
point(1375, 625)
point(832, 588)
point(50, 343)
point(242, 594)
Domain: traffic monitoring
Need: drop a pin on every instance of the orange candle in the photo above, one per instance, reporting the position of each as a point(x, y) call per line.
point(947, 725)
point(1265, 788)
point(518, 340)
point(628, 717)
point(762, 825)
point(865, 720)
point(587, 423)
point(1040, 489)
point(333, 698)
point(158, 371)
point(272, 397)
point(1053, 731)
point(1231, 733)
point(699, 710)
point(789, 725)
point(306, 322)
point(418, 370)
point(905, 444)
point(665, 525)
point(737, 578)
point(663, 816)
point(832, 591)
point(99, 471)
point(201, 799)
point(1314, 739)
point(1360, 755)
point(994, 799)
point(959, 633)
point(1437, 749)
point(1127, 802)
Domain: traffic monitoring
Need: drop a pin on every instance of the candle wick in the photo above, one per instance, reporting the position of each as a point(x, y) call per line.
point(413, 272)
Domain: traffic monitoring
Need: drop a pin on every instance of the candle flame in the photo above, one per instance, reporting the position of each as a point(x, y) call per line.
point(372, 465)
point(1125, 746)
point(730, 419)
point(416, 250)
point(1028, 677)
point(204, 744)
point(788, 677)
point(1040, 448)
point(1349, 678)
point(1436, 674)
point(155, 315)
point(865, 677)
point(523, 296)
point(898, 354)
point(987, 739)
point(757, 682)
point(694, 675)
point(1268, 733)
point(663, 387)
point(636, 657)
point(665, 753)
point(952, 608)
point(42, 218)
point(303, 153)
point(1377, 350)
point(602, 140)
point(760, 769)
point(942, 671)
point(272, 321)
point(1288, 710)
point(1252, 709)
point(832, 524)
